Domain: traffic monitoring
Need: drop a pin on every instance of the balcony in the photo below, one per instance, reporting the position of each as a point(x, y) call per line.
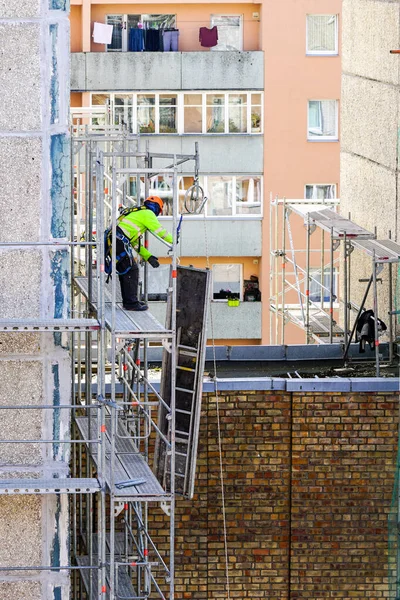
point(230, 322)
point(123, 71)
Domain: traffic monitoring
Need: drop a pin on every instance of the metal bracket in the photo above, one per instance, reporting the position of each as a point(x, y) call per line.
point(118, 508)
point(379, 268)
point(166, 508)
point(335, 244)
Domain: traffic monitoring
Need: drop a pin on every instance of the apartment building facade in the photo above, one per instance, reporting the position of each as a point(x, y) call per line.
point(262, 104)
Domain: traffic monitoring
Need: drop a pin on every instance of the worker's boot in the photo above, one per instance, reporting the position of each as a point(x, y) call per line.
point(129, 288)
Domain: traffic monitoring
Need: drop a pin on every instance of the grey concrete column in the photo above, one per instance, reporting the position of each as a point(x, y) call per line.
point(34, 283)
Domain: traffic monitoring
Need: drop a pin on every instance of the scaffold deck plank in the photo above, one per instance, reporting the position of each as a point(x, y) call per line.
point(384, 251)
point(128, 324)
point(124, 587)
point(129, 465)
point(331, 221)
point(49, 486)
point(63, 325)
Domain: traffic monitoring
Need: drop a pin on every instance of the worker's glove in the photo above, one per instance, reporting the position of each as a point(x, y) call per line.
point(153, 260)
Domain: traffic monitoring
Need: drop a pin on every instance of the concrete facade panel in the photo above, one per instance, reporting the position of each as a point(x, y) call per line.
point(24, 343)
point(21, 385)
point(371, 29)
point(224, 238)
point(20, 590)
point(245, 152)
point(373, 136)
point(229, 322)
point(133, 71)
point(368, 192)
point(21, 515)
point(222, 70)
point(12, 9)
point(19, 159)
point(94, 71)
point(20, 77)
point(20, 278)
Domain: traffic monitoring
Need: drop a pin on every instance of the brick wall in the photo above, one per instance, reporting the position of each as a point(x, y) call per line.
point(308, 483)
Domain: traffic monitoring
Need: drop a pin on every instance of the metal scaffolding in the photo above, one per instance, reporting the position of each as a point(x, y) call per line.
point(297, 272)
point(118, 416)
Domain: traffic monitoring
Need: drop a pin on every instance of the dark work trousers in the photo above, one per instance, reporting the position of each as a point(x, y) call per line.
point(129, 281)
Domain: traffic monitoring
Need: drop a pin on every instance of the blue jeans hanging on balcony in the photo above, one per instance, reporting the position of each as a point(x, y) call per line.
point(136, 40)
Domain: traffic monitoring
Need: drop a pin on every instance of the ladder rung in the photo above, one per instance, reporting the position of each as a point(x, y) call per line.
point(182, 432)
point(190, 348)
point(186, 369)
point(188, 353)
point(184, 412)
point(185, 390)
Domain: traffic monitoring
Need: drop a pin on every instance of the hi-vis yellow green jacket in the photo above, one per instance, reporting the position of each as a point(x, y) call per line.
point(136, 223)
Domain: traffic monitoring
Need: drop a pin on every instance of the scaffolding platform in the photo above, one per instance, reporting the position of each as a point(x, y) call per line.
point(48, 486)
point(123, 587)
point(331, 221)
point(56, 325)
point(383, 251)
point(128, 324)
point(129, 465)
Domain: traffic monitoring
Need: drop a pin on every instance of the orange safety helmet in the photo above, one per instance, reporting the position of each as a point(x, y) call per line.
point(156, 200)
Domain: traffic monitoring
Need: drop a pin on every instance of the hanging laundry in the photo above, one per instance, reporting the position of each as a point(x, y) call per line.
point(365, 330)
point(136, 40)
point(170, 40)
point(153, 41)
point(102, 33)
point(208, 37)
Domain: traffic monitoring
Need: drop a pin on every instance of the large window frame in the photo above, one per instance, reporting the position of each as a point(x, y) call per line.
point(126, 18)
point(236, 294)
point(217, 19)
point(315, 129)
point(249, 110)
point(331, 188)
point(335, 51)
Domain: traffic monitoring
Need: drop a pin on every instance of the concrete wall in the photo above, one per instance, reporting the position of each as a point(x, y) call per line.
point(370, 124)
point(34, 368)
point(98, 71)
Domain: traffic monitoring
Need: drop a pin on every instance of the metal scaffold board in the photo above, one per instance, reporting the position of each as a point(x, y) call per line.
point(124, 587)
point(56, 325)
point(384, 251)
point(331, 221)
point(128, 324)
point(49, 486)
point(129, 465)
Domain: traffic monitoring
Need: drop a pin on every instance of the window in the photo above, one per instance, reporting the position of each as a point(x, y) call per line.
point(316, 289)
point(122, 24)
point(158, 282)
point(322, 34)
point(231, 196)
point(320, 191)
point(195, 113)
point(227, 281)
point(322, 120)
point(230, 35)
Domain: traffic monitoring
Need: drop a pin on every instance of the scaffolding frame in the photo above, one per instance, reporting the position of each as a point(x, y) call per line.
point(111, 483)
point(319, 318)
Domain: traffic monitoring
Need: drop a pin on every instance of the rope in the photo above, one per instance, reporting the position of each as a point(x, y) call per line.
point(221, 472)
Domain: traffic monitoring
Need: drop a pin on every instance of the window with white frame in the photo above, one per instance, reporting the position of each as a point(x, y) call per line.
point(194, 113)
point(227, 281)
point(230, 32)
point(320, 191)
point(123, 23)
point(322, 120)
point(320, 291)
point(322, 34)
point(158, 282)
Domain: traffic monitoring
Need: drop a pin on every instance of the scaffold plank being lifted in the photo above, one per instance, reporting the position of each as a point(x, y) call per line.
point(130, 473)
point(128, 324)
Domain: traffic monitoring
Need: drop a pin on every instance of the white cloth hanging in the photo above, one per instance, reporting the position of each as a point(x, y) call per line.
point(102, 33)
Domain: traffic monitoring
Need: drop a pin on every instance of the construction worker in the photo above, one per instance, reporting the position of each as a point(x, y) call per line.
point(131, 225)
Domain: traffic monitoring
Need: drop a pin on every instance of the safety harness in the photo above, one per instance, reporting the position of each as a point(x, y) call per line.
point(126, 252)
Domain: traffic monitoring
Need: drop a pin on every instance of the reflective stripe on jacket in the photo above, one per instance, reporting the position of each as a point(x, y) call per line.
point(136, 223)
